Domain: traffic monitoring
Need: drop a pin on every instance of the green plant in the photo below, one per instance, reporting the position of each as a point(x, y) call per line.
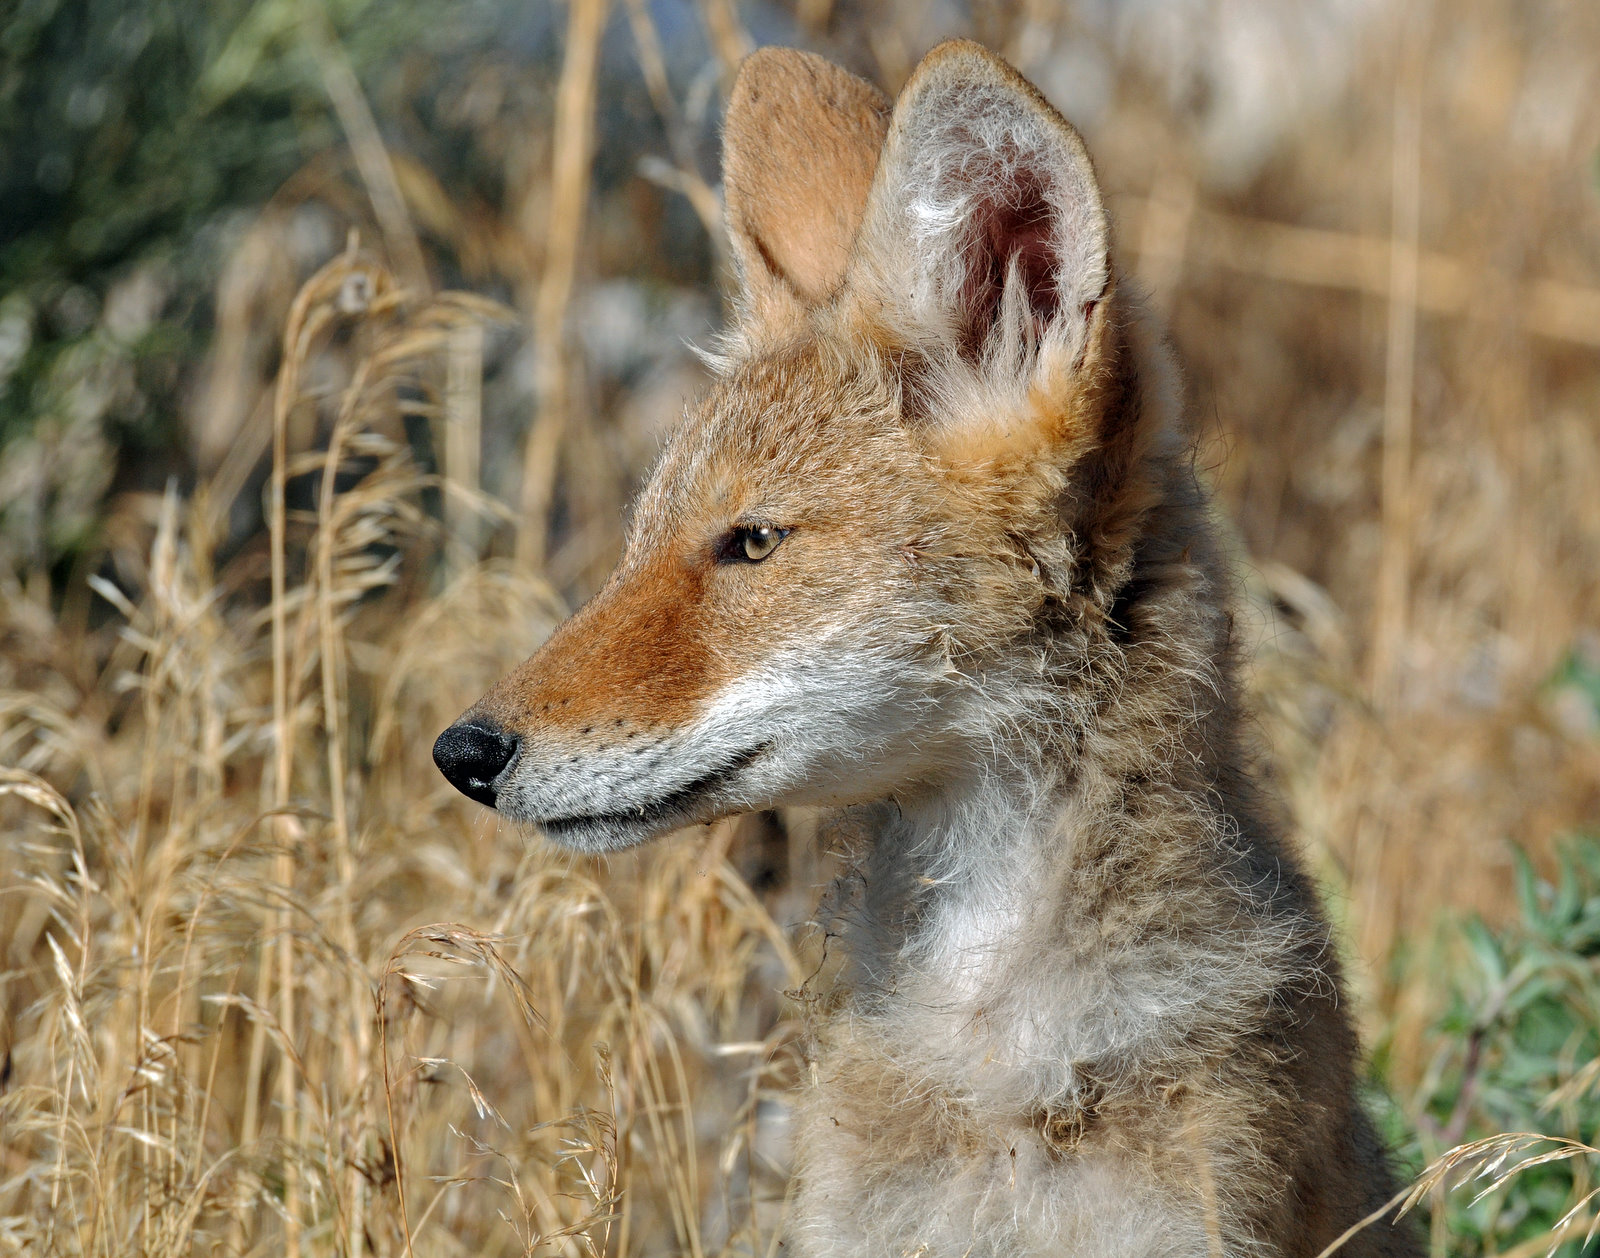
point(1519, 1052)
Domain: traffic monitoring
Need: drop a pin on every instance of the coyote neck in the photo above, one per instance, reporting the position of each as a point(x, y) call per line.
point(981, 846)
point(1112, 907)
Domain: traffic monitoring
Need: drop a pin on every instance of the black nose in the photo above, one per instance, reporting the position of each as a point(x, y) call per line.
point(472, 756)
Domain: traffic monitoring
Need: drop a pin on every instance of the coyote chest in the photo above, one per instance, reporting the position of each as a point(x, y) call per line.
point(930, 552)
point(992, 1189)
point(935, 1125)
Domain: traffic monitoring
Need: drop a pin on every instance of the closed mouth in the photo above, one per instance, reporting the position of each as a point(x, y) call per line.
point(669, 807)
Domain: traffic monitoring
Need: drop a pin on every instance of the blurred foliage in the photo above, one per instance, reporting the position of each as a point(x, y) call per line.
point(135, 141)
point(1575, 689)
point(1519, 1050)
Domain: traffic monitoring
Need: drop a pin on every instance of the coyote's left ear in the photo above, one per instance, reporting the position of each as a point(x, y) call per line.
point(799, 145)
point(985, 234)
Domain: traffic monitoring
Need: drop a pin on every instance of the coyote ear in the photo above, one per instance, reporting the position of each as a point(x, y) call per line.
point(799, 146)
point(985, 226)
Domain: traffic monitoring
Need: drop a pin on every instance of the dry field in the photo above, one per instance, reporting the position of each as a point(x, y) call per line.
point(269, 986)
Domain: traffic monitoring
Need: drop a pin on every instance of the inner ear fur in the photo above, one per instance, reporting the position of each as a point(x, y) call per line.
point(800, 144)
point(985, 233)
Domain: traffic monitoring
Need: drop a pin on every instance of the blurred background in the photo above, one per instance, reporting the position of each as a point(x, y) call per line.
point(335, 336)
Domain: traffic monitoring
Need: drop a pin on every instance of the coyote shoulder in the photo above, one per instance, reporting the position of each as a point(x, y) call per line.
point(931, 551)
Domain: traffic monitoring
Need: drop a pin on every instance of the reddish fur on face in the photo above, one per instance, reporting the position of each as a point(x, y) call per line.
point(805, 440)
point(637, 656)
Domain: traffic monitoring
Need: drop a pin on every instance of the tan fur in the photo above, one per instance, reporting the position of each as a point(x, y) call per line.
point(1091, 1006)
point(803, 140)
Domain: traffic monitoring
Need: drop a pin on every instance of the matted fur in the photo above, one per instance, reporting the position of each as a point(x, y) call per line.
point(1090, 1005)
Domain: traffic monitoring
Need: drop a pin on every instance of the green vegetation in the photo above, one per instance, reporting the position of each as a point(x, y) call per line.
point(1519, 1051)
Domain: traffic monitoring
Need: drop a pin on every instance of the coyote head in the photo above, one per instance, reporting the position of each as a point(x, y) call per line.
point(837, 583)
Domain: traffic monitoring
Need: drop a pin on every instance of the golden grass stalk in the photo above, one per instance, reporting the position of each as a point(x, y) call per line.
point(569, 194)
point(463, 440)
point(366, 144)
point(681, 174)
point(729, 39)
point(1489, 1165)
point(1358, 262)
point(1393, 592)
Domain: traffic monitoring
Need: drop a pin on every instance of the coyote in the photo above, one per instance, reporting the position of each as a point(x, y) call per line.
point(932, 552)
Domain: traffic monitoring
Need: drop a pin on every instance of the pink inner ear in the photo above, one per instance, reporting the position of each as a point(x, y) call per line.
point(1011, 223)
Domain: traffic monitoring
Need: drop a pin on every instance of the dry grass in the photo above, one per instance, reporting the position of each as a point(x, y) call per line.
point(231, 1025)
point(270, 986)
point(1488, 1165)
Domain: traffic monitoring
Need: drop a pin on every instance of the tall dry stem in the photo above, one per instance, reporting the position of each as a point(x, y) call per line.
point(1394, 563)
point(366, 144)
point(568, 209)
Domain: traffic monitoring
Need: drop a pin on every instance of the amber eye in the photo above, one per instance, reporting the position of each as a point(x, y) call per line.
point(750, 543)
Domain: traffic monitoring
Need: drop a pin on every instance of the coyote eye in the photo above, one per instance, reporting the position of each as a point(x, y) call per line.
point(750, 543)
